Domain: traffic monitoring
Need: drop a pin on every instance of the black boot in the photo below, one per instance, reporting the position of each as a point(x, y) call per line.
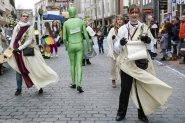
point(79, 89)
point(83, 62)
point(163, 59)
point(40, 91)
point(87, 61)
point(120, 116)
point(1, 69)
point(18, 92)
point(103, 51)
point(72, 86)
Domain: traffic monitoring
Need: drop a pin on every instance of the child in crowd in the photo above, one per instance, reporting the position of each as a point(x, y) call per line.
point(100, 42)
point(164, 44)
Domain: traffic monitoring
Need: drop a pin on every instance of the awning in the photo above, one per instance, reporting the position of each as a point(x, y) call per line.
point(53, 17)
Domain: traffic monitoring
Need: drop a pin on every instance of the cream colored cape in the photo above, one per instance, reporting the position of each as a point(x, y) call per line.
point(40, 73)
point(110, 43)
point(153, 92)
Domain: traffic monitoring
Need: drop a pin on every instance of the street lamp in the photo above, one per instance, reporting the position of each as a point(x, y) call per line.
point(141, 8)
point(95, 14)
point(40, 11)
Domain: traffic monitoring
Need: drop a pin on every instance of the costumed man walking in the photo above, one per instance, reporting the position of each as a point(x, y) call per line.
point(137, 76)
point(73, 31)
point(32, 69)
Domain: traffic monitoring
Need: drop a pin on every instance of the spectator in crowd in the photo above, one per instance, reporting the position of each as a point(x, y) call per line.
point(168, 29)
point(47, 40)
point(100, 42)
point(153, 45)
point(55, 32)
point(182, 37)
point(164, 44)
point(175, 37)
point(91, 35)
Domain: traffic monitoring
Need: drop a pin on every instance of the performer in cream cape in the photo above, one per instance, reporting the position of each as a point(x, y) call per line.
point(33, 69)
point(147, 91)
point(114, 71)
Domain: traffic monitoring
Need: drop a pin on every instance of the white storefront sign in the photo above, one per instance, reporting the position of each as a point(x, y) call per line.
point(174, 8)
point(180, 1)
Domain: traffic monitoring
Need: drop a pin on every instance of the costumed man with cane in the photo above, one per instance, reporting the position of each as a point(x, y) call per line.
point(73, 31)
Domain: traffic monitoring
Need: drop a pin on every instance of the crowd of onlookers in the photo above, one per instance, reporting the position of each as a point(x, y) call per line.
point(171, 36)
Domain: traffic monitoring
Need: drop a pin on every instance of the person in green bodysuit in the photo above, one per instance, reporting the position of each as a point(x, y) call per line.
point(73, 31)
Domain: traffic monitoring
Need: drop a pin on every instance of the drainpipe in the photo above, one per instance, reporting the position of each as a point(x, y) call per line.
point(141, 8)
point(103, 19)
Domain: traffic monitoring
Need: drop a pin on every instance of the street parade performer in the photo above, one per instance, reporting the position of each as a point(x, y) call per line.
point(33, 69)
point(73, 31)
point(137, 73)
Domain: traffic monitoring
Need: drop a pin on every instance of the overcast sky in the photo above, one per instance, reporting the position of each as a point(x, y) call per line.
point(29, 4)
point(25, 4)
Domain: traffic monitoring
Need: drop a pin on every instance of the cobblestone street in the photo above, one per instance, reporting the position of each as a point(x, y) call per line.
point(98, 104)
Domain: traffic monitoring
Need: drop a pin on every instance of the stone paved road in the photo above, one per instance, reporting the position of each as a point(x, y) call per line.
point(98, 104)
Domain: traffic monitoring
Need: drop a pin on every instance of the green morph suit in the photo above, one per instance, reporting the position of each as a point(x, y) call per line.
point(73, 31)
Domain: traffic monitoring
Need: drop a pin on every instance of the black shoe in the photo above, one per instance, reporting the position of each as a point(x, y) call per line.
point(72, 86)
point(163, 59)
point(120, 117)
point(1, 69)
point(46, 57)
point(144, 119)
point(79, 89)
point(18, 92)
point(87, 61)
point(41, 91)
point(83, 62)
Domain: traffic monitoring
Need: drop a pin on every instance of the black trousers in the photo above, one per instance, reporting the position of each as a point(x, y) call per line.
point(1, 69)
point(126, 84)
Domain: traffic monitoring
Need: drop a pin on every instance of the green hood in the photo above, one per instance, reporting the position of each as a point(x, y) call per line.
point(72, 12)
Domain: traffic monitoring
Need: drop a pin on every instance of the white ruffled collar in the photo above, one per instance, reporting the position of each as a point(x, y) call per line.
point(138, 25)
point(22, 24)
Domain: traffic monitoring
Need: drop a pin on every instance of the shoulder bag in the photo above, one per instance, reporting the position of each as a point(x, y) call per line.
point(28, 51)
